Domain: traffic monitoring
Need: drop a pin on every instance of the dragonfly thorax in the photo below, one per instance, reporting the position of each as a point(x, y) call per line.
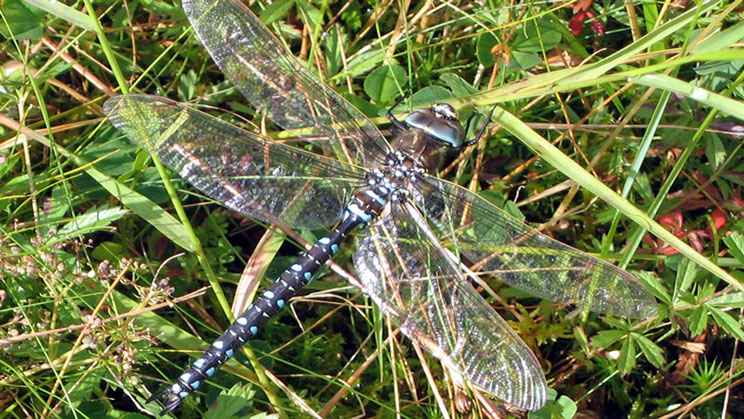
point(394, 179)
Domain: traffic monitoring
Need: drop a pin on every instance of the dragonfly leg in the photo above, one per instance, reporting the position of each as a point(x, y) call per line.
point(396, 122)
point(481, 130)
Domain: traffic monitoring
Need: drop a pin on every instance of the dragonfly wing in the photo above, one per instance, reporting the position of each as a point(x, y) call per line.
point(246, 172)
point(413, 279)
point(277, 84)
point(500, 245)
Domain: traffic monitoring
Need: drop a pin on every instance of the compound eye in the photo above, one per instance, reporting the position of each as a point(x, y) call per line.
point(437, 127)
point(449, 132)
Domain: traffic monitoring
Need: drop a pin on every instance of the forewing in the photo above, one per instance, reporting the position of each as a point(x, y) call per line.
point(246, 172)
point(277, 84)
point(411, 278)
point(502, 246)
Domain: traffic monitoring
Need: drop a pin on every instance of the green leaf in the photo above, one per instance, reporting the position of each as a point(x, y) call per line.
point(735, 299)
point(483, 47)
point(352, 16)
point(385, 83)
point(87, 386)
point(188, 85)
point(547, 411)
point(161, 8)
point(685, 275)
point(537, 38)
point(108, 250)
point(145, 208)
point(129, 415)
point(313, 15)
point(367, 108)
point(565, 407)
point(429, 95)
point(513, 210)
point(459, 86)
point(651, 14)
point(714, 150)
point(275, 11)
point(698, 320)
point(642, 185)
point(735, 243)
point(333, 50)
point(652, 282)
point(721, 40)
point(627, 355)
point(230, 402)
point(618, 323)
point(719, 68)
point(650, 350)
point(62, 11)
point(727, 322)
point(362, 63)
point(524, 60)
point(58, 206)
point(581, 339)
point(705, 291)
point(95, 219)
point(24, 21)
point(608, 337)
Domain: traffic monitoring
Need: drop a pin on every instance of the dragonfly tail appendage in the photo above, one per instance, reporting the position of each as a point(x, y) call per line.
point(172, 400)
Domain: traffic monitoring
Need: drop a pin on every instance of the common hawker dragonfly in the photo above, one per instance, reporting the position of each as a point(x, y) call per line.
point(409, 224)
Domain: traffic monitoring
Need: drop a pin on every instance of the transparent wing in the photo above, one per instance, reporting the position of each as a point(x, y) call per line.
point(502, 246)
point(246, 172)
point(277, 84)
point(407, 273)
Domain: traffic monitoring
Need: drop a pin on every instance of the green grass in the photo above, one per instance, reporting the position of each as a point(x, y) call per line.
point(94, 247)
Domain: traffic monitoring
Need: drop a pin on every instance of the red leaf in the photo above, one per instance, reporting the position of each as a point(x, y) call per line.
point(694, 241)
point(672, 220)
point(719, 218)
point(596, 24)
point(577, 22)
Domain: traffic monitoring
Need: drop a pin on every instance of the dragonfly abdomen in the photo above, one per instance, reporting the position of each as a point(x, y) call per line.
point(365, 206)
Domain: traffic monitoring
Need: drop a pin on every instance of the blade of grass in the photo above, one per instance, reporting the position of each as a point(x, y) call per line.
point(715, 100)
point(65, 12)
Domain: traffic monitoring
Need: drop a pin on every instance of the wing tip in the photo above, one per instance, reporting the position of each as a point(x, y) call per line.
point(112, 105)
point(187, 7)
point(109, 106)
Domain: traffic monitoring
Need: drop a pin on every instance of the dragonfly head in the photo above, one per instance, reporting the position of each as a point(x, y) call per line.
point(439, 123)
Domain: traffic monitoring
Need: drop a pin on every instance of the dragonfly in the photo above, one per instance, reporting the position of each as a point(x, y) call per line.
point(415, 233)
